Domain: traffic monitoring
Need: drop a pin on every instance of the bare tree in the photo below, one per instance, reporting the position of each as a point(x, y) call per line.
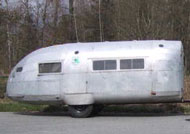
point(100, 19)
point(75, 21)
point(90, 20)
point(8, 36)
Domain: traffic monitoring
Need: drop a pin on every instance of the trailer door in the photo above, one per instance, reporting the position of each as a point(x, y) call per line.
point(74, 78)
point(48, 79)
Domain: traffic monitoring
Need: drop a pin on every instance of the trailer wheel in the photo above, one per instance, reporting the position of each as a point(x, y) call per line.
point(97, 109)
point(80, 111)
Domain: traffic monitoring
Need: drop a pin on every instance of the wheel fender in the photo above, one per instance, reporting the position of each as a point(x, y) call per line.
point(78, 99)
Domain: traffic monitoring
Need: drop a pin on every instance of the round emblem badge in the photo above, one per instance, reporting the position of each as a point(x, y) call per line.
point(75, 60)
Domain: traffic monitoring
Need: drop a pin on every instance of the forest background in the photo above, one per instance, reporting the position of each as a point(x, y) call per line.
point(27, 25)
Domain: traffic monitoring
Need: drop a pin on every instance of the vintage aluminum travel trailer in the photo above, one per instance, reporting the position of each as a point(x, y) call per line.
point(85, 75)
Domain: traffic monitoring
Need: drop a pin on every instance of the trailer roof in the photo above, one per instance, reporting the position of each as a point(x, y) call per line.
point(100, 48)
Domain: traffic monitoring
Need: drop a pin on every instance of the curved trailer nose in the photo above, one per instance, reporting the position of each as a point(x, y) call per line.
point(14, 90)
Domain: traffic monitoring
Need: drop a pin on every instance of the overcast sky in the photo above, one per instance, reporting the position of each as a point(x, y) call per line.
point(15, 3)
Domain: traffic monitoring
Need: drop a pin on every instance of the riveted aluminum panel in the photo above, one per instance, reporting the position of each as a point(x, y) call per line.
point(163, 73)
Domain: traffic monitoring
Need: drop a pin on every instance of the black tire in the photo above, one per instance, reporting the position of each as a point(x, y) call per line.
point(97, 109)
point(80, 111)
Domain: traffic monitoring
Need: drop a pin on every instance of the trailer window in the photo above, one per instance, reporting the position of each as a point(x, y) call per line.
point(104, 65)
point(110, 64)
point(138, 63)
point(126, 64)
point(19, 69)
point(132, 64)
point(50, 67)
point(98, 65)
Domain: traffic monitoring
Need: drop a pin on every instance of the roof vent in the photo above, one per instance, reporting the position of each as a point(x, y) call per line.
point(161, 45)
point(76, 52)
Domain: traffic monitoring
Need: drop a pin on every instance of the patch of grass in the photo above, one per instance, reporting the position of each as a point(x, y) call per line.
point(3, 81)
point(185, 108)
point(7, 105)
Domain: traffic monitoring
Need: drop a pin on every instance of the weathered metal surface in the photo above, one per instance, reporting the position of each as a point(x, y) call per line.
point(161, 80)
